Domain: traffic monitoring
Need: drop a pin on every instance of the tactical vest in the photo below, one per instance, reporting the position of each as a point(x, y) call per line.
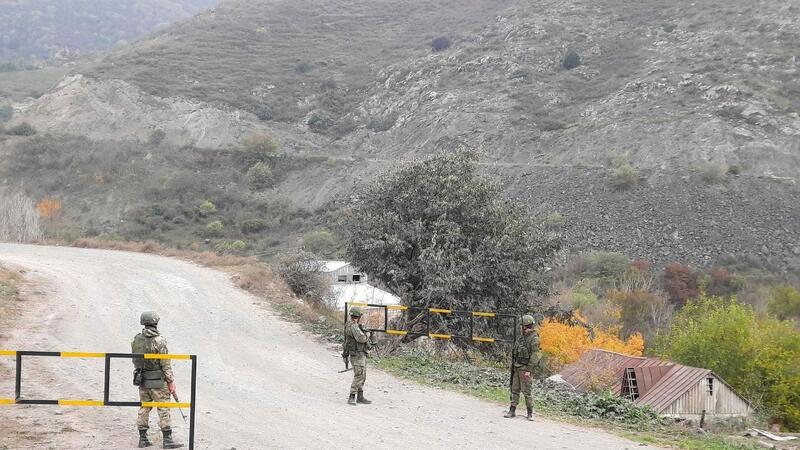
point(524, 353)
point(351, 346)
point(152, 375)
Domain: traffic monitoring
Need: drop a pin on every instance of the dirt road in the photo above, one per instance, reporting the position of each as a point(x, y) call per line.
point(263, 383)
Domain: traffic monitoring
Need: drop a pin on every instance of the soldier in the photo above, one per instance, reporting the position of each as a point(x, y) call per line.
point(154, 378)
point(525, 356)
point(356, 346)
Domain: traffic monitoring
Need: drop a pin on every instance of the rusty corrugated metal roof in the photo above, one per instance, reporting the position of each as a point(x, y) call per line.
point(660, 382)
point(671, 386)
point(602, 369)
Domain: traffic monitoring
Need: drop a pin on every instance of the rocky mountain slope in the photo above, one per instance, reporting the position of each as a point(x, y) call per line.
point(701, 98)
point(46, 28)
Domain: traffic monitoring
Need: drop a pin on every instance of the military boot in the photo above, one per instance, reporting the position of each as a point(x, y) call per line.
point(352, 400)
point(168, 442)
point(362, 399)
point(143, 441)
point(530, 413)
point(512, 412)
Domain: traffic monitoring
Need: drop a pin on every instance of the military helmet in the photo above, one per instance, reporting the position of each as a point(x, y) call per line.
point(356, 312)
point(149, 318)
point(527, 320)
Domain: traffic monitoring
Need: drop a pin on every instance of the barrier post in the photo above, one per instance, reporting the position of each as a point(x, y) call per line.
point(18, 382)
point(193, 408)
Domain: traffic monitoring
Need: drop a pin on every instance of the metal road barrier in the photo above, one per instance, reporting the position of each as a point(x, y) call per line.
point(429, 312)
point(17, 400)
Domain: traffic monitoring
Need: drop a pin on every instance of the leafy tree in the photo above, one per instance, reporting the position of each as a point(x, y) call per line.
point(320, 242)
point(681, 283)
point(439, 235)
point(302, 272)
point(758, 357)
point(564, 343)
point(260, 176)
point(642, 312)
point(784, 302)
point(610, 265)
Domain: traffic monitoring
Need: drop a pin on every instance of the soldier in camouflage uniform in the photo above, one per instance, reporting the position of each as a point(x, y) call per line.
point(155, 379)
point(356, 346)
point(525, 357)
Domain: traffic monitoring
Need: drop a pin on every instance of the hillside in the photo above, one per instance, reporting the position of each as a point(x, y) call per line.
point(702, 99)
point(46, 28)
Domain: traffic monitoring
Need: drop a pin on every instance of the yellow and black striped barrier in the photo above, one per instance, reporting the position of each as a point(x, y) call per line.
point(428, 311)
point(18, 400)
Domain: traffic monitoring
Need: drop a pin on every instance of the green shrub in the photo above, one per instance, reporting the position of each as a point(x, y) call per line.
point(784, 302)
point(440, 43)
point(263, 112)
point(320, 121)
point(758, 357)
point(571, 60)
point(259, 176)
point(625, 176)
point(250, 226)
point(555, 221)
point(23, 129)
point(383, 123)
point(214, 229)
point(320, 242)
point(230, 247)
point(207, 209)
point(258, 148)
point(303, 68)
point(714, 171)
point(610, 265)
point(582, 295)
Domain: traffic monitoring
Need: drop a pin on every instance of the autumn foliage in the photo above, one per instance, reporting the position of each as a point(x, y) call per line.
point(48, 208)
point(681, 283)
point(565, 343)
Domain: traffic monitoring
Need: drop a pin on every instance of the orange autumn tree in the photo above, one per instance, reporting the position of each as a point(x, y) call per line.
point(48, 208)
point(565, 343)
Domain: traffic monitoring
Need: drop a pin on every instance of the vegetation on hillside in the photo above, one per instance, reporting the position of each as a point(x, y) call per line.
point(758, 356)
point(313, 67)
point(439, 235)
point(186, 197)
point(46, 28)
point(19, 218)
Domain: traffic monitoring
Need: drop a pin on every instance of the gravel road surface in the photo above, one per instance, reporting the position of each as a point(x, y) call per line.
point(262, 383)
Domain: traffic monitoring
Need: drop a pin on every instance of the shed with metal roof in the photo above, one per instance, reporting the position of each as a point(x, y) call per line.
point(669, 388)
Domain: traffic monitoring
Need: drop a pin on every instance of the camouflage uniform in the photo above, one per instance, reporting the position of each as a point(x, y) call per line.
point(159, 371)
point(526, 355)
point(357, 345)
